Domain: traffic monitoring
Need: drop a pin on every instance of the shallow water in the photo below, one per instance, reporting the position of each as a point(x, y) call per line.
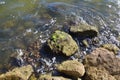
point(24, 21)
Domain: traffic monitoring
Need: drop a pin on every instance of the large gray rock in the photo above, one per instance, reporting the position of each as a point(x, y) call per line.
point(22, 73)
point(102, 58)
point(84, 30)
point(72, 68)
point(61, 42)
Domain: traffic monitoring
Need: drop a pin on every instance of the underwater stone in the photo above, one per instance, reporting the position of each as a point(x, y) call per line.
point(85, 43)
point(72, 68)
point(61, 42)
point(84, 30)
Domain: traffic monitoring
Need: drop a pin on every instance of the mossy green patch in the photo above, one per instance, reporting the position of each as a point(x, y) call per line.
point(61, 42)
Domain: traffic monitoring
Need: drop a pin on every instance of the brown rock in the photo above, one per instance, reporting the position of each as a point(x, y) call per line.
point(49, 77)
point(103, 58)
point(61, 42)
point(94, 73)
point(72, 68)
point(111, 47)
point(22, 73)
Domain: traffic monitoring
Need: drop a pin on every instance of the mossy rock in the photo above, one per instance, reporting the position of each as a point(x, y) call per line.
point(84, 30)
point(72, 68)
point(61, 42)
point(111, 47)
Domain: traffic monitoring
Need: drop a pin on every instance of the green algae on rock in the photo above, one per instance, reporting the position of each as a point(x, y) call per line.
point(22, 73)
point(111, 47)
point(61, 42)
point(72, 68)
point(84, 30)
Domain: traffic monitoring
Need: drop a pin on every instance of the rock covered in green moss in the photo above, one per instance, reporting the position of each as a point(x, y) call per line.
point(72, 68)
point(111, 47)
point(22, 73)
point(61, 42)
point(84, 30)
point(49, 77)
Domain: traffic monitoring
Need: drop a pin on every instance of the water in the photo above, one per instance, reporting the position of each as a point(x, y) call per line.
point(22, 22)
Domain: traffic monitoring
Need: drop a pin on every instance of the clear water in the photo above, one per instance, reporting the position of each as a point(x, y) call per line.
point(23, 21)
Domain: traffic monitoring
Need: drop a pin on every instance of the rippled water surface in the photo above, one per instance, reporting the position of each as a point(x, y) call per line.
point(24, 21)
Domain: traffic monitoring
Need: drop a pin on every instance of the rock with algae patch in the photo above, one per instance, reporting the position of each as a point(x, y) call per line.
point(72, 68)
point(84, 30)
point(22, 73)
point(61, 42)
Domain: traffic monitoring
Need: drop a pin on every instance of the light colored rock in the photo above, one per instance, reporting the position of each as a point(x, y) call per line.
point(49, 77)
point(84, 30)
point(102, 58)
point(111, 47)
point(72, 68)
point(22, 73)
point(61, 42)
point(94, 73)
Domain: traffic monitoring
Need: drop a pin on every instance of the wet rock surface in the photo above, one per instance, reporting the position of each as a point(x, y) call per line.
point(22, 73)
point(72, 68)
point(102, 58)
point(84, 30)
point(111, 47)
point(62, 43)
point(94, 73)
point(49, 77)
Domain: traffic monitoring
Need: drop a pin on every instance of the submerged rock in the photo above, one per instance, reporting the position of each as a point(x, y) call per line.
point(22, 73)
point(85, 43)
point(94, 73)
point(61, 42)
point(111, 47)
point(102, 58)
point(72, 68)
point(84, 30)
point(49, 77)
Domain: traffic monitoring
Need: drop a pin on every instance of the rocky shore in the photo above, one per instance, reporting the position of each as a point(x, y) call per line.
point(65, 58)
